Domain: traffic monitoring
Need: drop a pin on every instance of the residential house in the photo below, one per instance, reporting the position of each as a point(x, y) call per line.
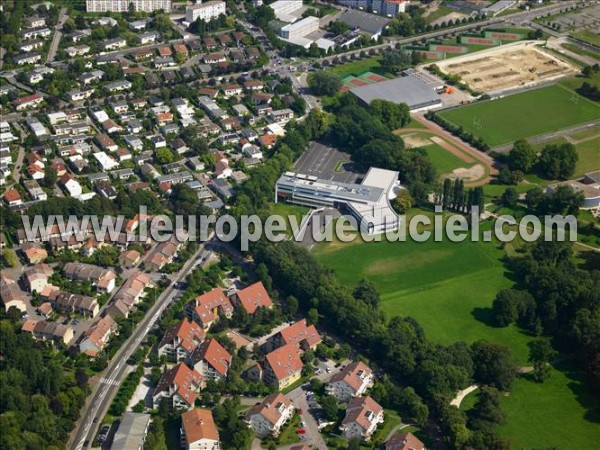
point(268, 417)
point(211, 360)
point(12, 296)
point(130, 294)
point(29, 101)
point(49, 331)
point(103, 279)
point(179, 342)
point(198, 430)
point(129, 258)
point(351, 382)
point(34, 253)
point(114, 44)
point(253, 297)
point(97, 336)
point(363, 414)
point(71, 303)
point(282, 367)
point(34, 189)
point(179, 385)
point(404, 441)
point(36, 277)
point(305, 337)
point(281, 115)
point(206, 308)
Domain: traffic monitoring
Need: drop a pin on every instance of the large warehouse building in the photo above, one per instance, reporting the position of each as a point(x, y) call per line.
point(418, 95)
point(368, 202)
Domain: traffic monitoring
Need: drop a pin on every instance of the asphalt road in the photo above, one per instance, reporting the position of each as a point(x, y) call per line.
point(103, 393)
point(62, 17)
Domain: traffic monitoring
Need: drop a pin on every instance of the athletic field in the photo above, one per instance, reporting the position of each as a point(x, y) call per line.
point(524, 115)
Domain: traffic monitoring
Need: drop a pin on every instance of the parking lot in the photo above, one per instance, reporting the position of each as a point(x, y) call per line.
point(327, 163)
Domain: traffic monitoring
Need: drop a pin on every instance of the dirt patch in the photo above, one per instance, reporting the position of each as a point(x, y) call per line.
point(507, 67)
point(471, 174)
point(415, 141)
point(450, 148)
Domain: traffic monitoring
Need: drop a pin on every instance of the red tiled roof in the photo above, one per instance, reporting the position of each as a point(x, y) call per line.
point(299, 332)
point(207, 305)
point(187, 333)
point(199, 424)
point(185, 381)
point(361, 410)
point(270, 408)
point(253, 297)
point(404, 441)
point(284, 361)
point(214, 354)
point(351, 375)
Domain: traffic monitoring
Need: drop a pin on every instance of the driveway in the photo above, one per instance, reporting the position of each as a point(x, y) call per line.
point(313, 436)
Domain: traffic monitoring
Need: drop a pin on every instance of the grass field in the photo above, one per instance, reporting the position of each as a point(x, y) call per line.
point(580, 51)
point(443, 160)
point(587, 36)
point(439, 12)
point(430, 281)
point(357, 67)
point(286, 210)
point(520, 116)
point(550, 414)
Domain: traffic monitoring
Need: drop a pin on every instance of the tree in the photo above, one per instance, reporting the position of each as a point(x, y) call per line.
point(312, 317)
point(534, 198)
point(164, 156)
point(50, 177)
point(493, 364)
point(486, 413)
point(366, 292)
point(522, 156)
point(540, 354)
point(510, 197)
point(324, 83)
point(403, 202)
point(391, 114)
point(330, 408)
point(558, 161)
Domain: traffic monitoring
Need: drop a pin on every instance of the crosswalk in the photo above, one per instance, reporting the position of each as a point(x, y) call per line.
point(109, 381)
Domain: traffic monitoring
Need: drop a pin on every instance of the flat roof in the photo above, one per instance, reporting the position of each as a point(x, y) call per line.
point(410, 90)
point(348, 191)
point(369, 23)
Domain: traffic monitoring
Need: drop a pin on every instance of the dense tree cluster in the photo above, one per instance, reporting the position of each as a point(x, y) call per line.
point(324, 83)
point(453, 196)
point(366, 133)
point(556, 298)
point(562, 199)
point(39, 400)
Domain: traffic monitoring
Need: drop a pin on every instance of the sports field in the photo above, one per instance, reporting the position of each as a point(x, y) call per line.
point(524, 115)
point(356, 67)
point(447, 287)
point(550, 414)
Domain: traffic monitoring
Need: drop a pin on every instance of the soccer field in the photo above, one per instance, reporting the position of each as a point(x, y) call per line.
point(524, 115)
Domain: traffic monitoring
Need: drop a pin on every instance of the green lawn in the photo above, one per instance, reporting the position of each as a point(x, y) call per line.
point(440, 12)
point(550, 415)
point(576, 82)
point(580, 51)
point(524, 115)
point(286, 210)
point(447, 287)
point(587, 36)
point(443, 160)
point(357, 67)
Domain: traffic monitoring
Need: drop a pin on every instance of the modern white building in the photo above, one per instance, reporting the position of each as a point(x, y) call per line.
point(301, 28)
point(205, 11)
point(123, 5)
point(368, 202)
point(287, 10)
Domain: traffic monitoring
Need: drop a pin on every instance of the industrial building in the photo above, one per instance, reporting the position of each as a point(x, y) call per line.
point(95, 6)
point(368, 202)
point(418, 95)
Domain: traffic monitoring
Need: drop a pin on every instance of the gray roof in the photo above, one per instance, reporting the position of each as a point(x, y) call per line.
point(132, 432)
point(410, 90)
point(369, 23)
